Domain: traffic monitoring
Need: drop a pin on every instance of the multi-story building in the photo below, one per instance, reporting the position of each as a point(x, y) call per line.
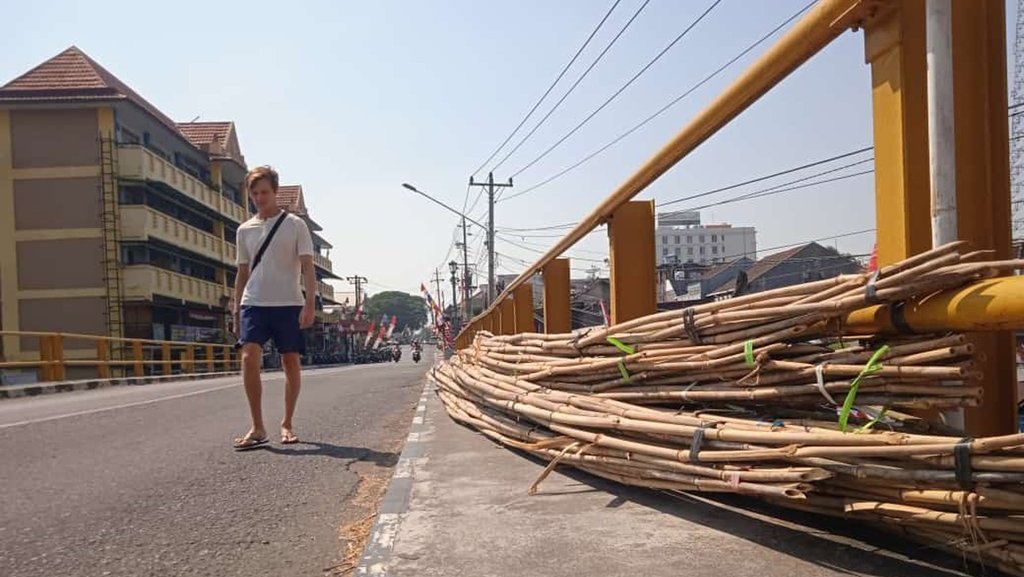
point(681, 238)
point(114, 219)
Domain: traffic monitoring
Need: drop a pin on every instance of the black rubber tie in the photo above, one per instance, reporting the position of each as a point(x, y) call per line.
point(691, 326)
point(870, 290)
point(962, 464)
point(698, 440)
point(898, 317)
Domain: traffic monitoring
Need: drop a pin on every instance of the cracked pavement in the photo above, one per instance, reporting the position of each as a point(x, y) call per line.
point(142, 480)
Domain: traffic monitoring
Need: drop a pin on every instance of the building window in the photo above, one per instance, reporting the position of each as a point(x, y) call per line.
point(714, 250)
point(677, 239)
point(664, 251)
point(702, 240)
point(678, 252)
point(689, 251)
point(689, 239)
point(664, 239)
point(714, 238)
point(702, 250)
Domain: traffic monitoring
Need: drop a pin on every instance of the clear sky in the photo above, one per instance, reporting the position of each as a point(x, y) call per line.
point(351, 99)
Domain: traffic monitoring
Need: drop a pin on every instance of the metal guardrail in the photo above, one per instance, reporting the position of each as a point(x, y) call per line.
point(163, 357)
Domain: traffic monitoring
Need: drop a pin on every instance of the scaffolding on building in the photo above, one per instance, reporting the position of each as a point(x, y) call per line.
point(111, 232)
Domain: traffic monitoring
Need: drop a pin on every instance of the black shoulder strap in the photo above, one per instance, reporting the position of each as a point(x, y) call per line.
point(266, 241)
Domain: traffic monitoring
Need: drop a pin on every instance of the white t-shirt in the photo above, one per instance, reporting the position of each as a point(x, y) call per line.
point(275, 282)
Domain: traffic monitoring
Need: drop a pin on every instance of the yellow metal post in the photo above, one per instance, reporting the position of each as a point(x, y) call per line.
point(522, 304)
point(633, 263)
point(165, 356)
point(188, 357)
point(103, 359)
point(983, 186)
point(46, 356)
point(59, 369)
point(140, 369)
point(508, 316)
point(557, 306)
point(895, 48)
point(210, 361)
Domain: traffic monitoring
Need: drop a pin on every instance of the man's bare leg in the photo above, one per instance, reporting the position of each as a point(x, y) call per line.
point(252, 356)
point(292, 384)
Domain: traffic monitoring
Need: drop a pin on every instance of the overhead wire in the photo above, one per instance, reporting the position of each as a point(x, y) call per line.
point(574, 85)
point(618, 92)
point(663, 109)
point(548, 91)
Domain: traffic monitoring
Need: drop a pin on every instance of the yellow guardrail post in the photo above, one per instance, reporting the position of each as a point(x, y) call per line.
point(188, 358)
point(508, 316)
point(137, 356)
point(46, 358)
point(103, 358)
point(632, 261)
point(165, 356)
point(557, 302)
point(522, 305)
point(210, 361)
point(60, 369)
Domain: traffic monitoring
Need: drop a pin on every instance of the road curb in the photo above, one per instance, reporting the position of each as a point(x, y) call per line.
point(381, 542)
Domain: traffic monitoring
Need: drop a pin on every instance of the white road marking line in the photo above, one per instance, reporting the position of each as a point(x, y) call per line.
point(418, 420)
point(266, 379)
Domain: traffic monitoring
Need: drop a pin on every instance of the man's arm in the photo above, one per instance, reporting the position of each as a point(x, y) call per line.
point(309, 284)
point(240, 279)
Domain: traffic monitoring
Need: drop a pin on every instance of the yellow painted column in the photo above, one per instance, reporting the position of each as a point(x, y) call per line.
point(983, 187)
point(895, 49)
point(557, 305)
point(522, 299)
point(8, 249)
point(633, 262)
point(508, 317)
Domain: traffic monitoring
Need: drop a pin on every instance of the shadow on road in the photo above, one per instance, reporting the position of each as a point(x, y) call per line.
point(846, 547)
point(320, 449)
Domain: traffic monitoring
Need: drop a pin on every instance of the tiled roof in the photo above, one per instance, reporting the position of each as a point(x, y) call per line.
point(218, 139)
point(72, 75)
point(763, 266)
point(717, 269)
point(204, 134)
point(290, 197)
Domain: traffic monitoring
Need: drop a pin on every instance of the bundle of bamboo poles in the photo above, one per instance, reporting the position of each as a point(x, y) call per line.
point(765, 395)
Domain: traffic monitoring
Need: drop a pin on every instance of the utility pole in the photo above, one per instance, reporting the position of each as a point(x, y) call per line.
point(440, 301)
point(454, 266)
point(490, 229)
point(467, 312)
point(358, 281)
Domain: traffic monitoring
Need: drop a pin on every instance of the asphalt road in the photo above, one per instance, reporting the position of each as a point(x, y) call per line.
point(143, 481)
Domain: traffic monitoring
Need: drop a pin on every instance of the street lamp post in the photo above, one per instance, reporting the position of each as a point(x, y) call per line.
point(454, 267)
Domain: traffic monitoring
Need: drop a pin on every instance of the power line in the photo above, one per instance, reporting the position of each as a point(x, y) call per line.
point(620, 90)
point(663, 109)
point(769, 176)
point(773, 191)
point(546, 92)
point(574, 85)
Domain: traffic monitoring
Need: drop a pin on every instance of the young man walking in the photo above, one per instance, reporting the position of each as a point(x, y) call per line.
point(274, 248)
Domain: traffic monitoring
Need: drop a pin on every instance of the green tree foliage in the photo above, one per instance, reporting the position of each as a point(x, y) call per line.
point(411, 310)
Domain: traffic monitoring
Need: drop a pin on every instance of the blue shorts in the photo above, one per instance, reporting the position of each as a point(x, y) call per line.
point(261, 324)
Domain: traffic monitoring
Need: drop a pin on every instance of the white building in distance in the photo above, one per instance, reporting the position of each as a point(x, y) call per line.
point(681, 238)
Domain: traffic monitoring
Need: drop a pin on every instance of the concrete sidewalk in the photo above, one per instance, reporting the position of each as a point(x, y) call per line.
point(458, 506)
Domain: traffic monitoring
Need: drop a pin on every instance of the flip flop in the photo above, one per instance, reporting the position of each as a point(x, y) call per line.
point(289, 439)
point(247, 443)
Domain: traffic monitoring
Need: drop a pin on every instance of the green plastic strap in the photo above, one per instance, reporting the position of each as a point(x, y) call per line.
point(748, 353)
point(624, 372)
point(874, 421)
point(872, 367)
point(622, 346)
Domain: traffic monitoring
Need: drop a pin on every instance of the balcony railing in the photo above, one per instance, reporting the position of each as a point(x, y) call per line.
point(325, 290)
point(144, 281)
point(322, 262)
point(140, 163)
point(141, 223)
